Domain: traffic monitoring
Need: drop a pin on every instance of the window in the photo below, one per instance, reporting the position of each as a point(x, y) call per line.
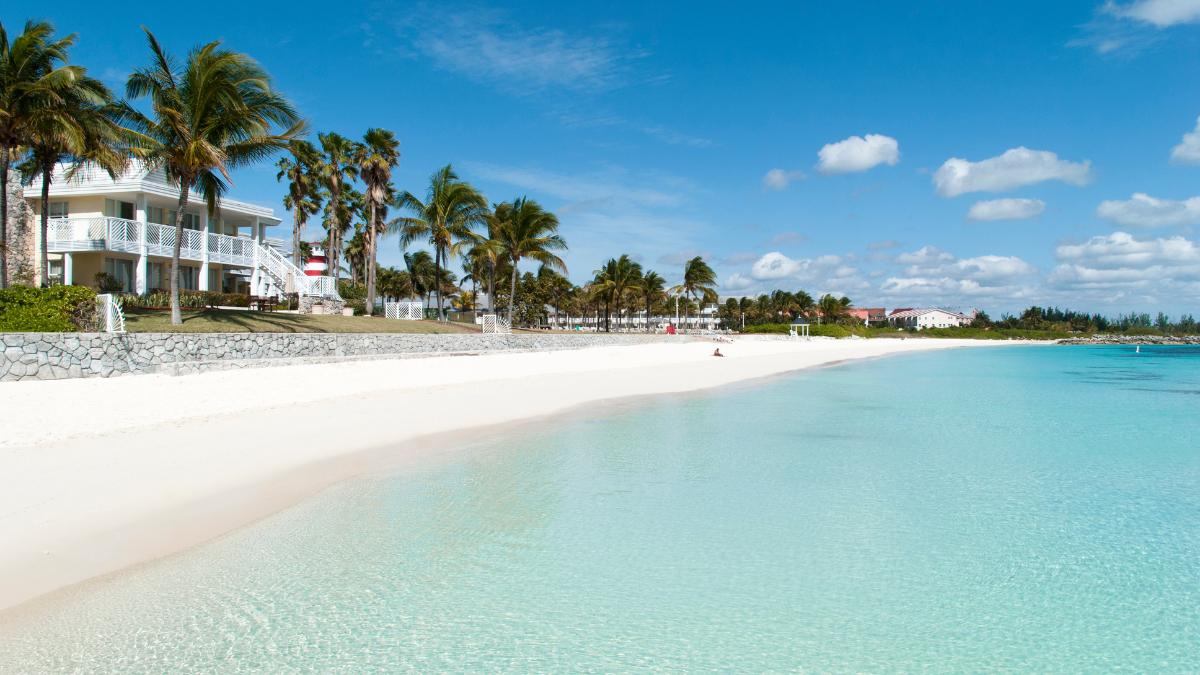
point(117, 209)
point(58, 210)
point(155, 214)
point(214, 280)
point(187, 277)
point(191, 221)
point(55, 271)
point(121, 270)
point(157, 276)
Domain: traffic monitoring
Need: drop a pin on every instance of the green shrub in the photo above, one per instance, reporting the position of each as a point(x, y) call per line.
point(160, 299)
point(58, 309)
point(107, 283)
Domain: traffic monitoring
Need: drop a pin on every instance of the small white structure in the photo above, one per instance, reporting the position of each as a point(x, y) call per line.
point(405, 310)
point(932, 317)
point(491, 323)
point(799, 328)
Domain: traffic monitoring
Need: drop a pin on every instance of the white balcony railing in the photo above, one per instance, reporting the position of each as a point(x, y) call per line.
point(118, 234)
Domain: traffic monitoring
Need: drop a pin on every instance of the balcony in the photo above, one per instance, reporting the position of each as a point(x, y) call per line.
point(68, 235)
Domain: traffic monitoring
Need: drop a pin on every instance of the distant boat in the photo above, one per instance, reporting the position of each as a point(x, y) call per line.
point(1137, 349)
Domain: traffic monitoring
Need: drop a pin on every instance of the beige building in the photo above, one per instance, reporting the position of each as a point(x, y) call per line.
point(125, 229)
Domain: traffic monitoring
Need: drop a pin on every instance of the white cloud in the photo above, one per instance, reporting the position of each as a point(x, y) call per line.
point(1188, 150)
point(774, 265)
point(1121, 268)
point(1006, 209)
point(1142, 210)
point(737, 282)
point(1158, 13)
point(488, 47)
point(858, 153)
point(779, 179)
point(1013, 169)
point(926, 255)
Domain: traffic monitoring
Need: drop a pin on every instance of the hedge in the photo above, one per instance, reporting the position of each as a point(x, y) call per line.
point(187, 300)
point(58, 309)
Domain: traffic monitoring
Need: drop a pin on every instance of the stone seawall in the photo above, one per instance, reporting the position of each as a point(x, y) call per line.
point(56, 356)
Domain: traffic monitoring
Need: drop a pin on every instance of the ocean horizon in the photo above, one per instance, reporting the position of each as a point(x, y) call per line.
point(1032, 508)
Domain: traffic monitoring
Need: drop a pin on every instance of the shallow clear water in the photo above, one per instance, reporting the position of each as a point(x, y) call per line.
point(1031, 509)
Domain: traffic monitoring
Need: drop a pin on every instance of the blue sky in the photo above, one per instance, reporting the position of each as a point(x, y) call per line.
point(965, 154)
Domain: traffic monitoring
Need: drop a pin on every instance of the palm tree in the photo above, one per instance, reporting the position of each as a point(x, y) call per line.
point(613, 281)
point(652, 288)
point(555, 285)
point(215, 113)
point(303, 197)
point(833, 308)
point(450, 209)
point(80, 122)
point(529, 232)
point(378, 154)
point(356, 256)
point(698, 280)
point(33, 73)
point(422, 273)
point(335, 169)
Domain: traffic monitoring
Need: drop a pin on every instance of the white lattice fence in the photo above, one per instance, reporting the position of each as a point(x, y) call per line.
point(112, 319)
point(407, 310)
point(493, 324)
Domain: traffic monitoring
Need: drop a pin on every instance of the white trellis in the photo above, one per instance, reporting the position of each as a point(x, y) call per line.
point(112, 319)
point(493, 324)
point(407, 310)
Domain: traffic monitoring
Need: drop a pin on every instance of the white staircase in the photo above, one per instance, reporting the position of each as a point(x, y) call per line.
point(273, 272)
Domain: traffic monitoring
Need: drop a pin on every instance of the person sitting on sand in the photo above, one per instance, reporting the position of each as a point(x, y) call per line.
point(717, 352)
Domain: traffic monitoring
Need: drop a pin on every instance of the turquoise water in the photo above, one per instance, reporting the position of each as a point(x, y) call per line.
point(1023, 509)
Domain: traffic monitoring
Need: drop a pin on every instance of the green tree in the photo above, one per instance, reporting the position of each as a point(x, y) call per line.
point(444, 218)
point(529, 232)
point(699, 281)
point(652, 288)
point(378, 154)
point(33, 72)
point(214, 114)
point(832, 308)
point(79, 122)
point(612, 284)
point(302, 171)
point(335, 170)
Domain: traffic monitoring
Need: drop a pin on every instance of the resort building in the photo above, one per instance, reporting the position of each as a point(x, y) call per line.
point(921, 318)
point(868, 315)
point(123, 231)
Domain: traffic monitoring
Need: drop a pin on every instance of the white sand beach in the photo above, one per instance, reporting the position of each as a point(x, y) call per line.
point(97, 475)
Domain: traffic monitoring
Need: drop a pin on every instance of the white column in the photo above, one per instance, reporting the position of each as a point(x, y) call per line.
point(68, 269)
point(141, 274)
point(203, 280)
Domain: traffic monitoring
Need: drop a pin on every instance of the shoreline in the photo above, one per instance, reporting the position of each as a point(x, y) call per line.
point(92, 491)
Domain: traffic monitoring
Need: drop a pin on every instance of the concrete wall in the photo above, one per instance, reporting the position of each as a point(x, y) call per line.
point(54, 356)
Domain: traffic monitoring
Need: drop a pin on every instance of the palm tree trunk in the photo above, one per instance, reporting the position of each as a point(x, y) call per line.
point(296, 226)
point(5, 159)
point(647, 313)
point(437, 279)
point(176, 315)
point(43, 257)
point(512, 293)
point(370, 271)
point(491, 288)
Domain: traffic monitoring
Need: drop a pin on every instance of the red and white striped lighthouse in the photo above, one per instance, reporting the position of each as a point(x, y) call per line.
point(316, 265)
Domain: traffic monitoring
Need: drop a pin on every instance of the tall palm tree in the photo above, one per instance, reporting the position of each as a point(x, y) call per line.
point(422, 273)
point(833, 308)
point(214, 114)
point(336, 168)
point(33, 72)
point(444, 218)
point(81, 123)
point(356, 256)
point(699, 280)
point(652, 288)
point(530, 232)
point(377, 155)
point(614, 281)
point(303, 198)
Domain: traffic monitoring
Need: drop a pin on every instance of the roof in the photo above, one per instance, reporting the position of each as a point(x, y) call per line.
point(95, 181)
point(907, 313)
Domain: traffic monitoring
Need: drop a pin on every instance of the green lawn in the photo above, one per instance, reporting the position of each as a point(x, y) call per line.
point(232, 321)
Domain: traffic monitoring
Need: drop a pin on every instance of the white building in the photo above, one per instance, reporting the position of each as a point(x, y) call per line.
point(126, 228)
point(932, 317)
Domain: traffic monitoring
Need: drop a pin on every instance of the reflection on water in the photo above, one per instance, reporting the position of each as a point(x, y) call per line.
point(1023, 509)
